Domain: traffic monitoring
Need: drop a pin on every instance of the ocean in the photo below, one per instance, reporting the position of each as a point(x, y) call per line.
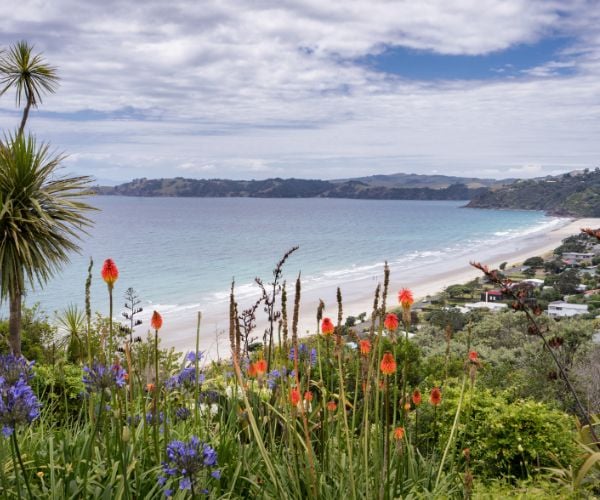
point(181, 254)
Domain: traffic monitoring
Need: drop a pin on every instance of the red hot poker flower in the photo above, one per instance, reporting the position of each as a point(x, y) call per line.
point(331, 406)
point(435, 397)
point(473, 356)
point(109, 272)
point(252, 370)
point(156, 321)
point(365, 347)
point(416, 397)
point(405, 297)
point(391, 322)
point(388, 364)
point(398, 433)
point(308, 396)
point(294, 396)
point(261, 366)
point(327, 326)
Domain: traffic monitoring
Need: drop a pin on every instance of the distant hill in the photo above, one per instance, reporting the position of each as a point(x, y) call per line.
point(287, 188)
point(574, 194)
point(426, 181)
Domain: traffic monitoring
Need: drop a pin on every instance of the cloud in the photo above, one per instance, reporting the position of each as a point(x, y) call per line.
point(271, 87)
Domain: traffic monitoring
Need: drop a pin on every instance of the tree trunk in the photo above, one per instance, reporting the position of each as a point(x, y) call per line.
point(29, 95)
point(14, 323)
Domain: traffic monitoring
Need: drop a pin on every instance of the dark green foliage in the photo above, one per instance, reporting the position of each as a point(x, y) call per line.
point(575, 243)
point(448, 316)
point(574, 195)
point(38, 336)
point(535, 262)
point(567, 281)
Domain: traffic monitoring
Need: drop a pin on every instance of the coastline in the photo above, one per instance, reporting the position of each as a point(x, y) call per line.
point(179, 329)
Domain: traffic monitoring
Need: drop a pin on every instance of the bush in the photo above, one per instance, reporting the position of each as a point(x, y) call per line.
point(512, 439)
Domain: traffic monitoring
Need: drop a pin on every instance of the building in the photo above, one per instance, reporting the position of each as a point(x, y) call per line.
point(492, 306)
point(577, 257)
point(491, 296)
point(560, 308)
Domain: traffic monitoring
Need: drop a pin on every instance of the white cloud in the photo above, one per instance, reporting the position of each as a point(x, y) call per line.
point(270, 87)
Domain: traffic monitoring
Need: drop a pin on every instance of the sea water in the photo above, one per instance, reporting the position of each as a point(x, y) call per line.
point(182, 253)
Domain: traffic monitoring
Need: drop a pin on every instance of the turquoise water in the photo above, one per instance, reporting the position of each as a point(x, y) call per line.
point(178, 252)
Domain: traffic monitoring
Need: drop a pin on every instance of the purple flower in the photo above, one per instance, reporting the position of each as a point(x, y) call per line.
point(13, 369)
point(99, 377)
point(18, 404)
point(186, 461)
point(182, 413)
point(191, 356)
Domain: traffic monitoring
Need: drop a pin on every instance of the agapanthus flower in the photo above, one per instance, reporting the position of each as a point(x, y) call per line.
point(391, 322)
point(13, 368)
point(435, 397)
point(388, 364)
point(18, 405)
point(185, 378)
point(186, 461)
point(304, 354)
point(109, 272)
point(273, 378)
point(156, 321)
point(327, 327)
point(98, 377)
point(182, 413)
point(151, 420)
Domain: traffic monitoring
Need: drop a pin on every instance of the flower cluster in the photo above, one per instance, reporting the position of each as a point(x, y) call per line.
point(18, 403)
point(186, 378)
point(185, 462)
point(304, 355)
point(99, 377)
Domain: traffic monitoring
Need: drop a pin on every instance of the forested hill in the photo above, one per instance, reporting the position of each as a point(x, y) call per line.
point(285, 188)
point(575, 194)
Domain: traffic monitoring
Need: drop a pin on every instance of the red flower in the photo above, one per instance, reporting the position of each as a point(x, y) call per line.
point(405, 297)
point(156, 321)
point(252, 370)
point(261, 366)
point(294, 396)
point(391, 322)
point(365, 347)
point(327, 326)
point(398, 433)
point(435, 397)
point(308, 396)
point(473, 356)
point(331, 406)
point(109, 272)
point(150, 387)
point(416, 397)
point(388, 364)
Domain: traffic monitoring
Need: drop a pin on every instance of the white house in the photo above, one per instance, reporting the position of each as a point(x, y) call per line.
point(577, 256)
point(560, 308)
point(492, 306)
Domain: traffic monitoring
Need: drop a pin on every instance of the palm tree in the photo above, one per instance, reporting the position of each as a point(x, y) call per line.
point(29, 74)
point(41, 220)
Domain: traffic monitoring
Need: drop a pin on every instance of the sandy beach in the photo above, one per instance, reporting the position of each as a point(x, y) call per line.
point(179, 329)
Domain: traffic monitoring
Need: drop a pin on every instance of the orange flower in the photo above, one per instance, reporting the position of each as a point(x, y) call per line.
point(327, 327)
point(435, 397)
point(109, 272)
point(308, 396)
point(261, 366)
point(388, 364)
point(150, 387)
point(252, 370)
point(406, 406)
point(365, 347)
point(331, 406)
point(294, 396)
point(405, 297)
point(473, 356)
point(416, 397)
point(398, 433)
point(156, 321)
point(391, 322)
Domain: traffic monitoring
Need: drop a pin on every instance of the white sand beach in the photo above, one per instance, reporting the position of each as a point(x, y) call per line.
point(179, 329)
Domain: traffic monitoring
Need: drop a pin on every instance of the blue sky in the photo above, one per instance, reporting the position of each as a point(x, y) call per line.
point(305, 88)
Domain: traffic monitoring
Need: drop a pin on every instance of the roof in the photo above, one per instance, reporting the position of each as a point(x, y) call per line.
point(567, 305)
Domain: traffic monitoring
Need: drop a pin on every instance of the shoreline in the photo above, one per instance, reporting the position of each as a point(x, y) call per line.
point(179, 329)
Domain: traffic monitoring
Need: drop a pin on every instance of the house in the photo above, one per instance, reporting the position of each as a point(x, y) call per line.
point(534, 282)
point(492, 306)
point(561, 308)
point(491, 296)
point(576, 257)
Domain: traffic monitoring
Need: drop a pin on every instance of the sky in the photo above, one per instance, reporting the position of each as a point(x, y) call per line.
point(251, 89)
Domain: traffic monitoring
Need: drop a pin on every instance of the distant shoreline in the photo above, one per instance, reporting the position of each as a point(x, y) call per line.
point(423, 280)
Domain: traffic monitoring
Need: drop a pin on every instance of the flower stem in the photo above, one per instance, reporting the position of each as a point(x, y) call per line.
point(18, 454)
